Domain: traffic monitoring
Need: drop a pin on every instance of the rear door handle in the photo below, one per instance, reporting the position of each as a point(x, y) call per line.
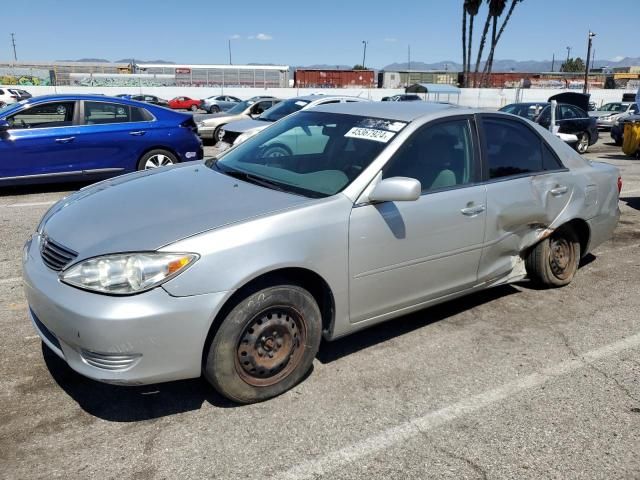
point(138, 133)
point(472, 211)
point(559, 190)
point(65, 140)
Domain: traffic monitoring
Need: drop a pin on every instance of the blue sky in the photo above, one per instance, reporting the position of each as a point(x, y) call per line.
point(303, 32)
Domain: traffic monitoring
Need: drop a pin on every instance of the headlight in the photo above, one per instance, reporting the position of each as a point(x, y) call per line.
point(245, 135)
point(127, 273)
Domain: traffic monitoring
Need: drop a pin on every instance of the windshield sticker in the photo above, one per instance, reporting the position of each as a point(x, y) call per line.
point(370, 134)
point(380, 124)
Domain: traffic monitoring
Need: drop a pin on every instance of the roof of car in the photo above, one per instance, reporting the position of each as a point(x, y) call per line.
point(67, 96)
point(405, 111)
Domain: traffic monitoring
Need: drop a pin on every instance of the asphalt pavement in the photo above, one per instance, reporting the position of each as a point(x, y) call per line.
point(513, 382)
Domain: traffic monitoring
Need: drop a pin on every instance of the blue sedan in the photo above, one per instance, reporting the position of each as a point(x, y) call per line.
point(84, 137)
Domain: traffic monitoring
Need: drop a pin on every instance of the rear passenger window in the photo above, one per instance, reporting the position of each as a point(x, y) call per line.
point(549, 159)
point(140, 115)
point(96, 113)
point(511, 148)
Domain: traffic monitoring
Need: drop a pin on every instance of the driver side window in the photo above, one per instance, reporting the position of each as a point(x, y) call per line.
point(48, 115)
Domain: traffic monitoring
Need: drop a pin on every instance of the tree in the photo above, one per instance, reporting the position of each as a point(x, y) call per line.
point(483, 40)
point(469, 8)
point(498, 9)
point(573, 65)
point(358, 67)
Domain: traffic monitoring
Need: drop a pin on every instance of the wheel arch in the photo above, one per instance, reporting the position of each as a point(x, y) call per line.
point(311, 281)
point(583, 231)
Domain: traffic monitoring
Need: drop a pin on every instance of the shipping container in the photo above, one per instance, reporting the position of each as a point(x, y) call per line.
point(402, 79)
point(306, 78)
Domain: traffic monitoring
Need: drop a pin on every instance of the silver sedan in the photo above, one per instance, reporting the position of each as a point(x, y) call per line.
point(379, 209)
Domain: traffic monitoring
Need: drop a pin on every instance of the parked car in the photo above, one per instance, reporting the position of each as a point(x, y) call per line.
point(236, 267)
point(185, 103)
point(610, 112)
point(402, 98)
point(572, 119)
point(77, 137)
point(617, 130)
point(20, 94)
point(529, 110)
point(219, 103)
point(7, 97)
point(236, 132)
point(211, 127)
point(152, 99)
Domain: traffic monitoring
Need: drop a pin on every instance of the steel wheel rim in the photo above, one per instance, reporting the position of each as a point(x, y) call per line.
point(583, 143)
point(219, 134)
point(158, 160)
point(271, 346)
point(560, 257)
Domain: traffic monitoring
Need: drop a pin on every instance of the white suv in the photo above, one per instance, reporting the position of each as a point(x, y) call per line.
point(7, 97)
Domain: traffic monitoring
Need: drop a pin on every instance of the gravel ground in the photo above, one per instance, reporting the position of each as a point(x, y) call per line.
point(509, 383)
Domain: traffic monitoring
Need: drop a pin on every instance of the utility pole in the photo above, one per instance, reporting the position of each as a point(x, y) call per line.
point(13, 42)
point(364, 53)
point(229, 44)
point(586, 70)
point(568, 56)
point(408, 64)
point(553, 62)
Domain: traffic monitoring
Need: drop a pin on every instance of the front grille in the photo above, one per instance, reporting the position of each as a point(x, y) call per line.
point(48, 334)
point(109, 361)
point(54, 255)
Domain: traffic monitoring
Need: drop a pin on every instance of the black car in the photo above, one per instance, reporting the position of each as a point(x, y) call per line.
point(402, 98)
point(20, 94)
point(529, 111)
point(152, 99)
point(572, 119)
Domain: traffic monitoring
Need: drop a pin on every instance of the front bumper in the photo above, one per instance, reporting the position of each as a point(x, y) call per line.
point(604, 124)
point(146, 338)
point(206, 132)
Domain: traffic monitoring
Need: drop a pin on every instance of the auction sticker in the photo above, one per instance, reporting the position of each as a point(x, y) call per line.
point(370, 134)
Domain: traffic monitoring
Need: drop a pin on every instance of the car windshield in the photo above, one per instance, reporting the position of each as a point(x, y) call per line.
point(315, 154)
point(614, 107)
point(283, 109)
point(239, 108)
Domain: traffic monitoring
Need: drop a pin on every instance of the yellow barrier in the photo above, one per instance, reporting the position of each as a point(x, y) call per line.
point(631, 144)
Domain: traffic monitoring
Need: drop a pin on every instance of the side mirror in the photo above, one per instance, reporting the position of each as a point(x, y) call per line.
point(4, 126)
point(396, 189)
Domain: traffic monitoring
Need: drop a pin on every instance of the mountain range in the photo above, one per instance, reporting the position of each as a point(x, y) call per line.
point(498, 65)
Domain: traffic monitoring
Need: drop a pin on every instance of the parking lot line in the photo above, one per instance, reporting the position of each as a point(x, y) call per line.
point(4, 281)
point(417, 426)
point(30, 204)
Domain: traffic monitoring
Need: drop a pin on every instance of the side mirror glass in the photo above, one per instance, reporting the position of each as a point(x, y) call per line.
point(396, 189)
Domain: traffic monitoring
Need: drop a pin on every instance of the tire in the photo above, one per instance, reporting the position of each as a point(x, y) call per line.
point(583, 143)
point(216, 134)
point(276, 150)
point(265, 345)
point(554, 261)
point(214, 109)
point(194, 108)
point(155, 159)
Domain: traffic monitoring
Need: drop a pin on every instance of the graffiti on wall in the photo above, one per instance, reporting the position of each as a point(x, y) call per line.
point(25, 77)
point(121, 80)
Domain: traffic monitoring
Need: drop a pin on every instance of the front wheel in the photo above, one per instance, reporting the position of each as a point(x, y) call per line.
point(155, 159)
point(265, 345)
point(583, 143)
point(554, 261)
point(214, 109)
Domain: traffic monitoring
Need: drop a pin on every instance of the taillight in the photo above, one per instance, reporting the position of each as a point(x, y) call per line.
point(619, 185)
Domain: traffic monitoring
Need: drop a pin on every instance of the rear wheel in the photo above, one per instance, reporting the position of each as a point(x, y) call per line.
point(156, 158)
point(583, 143)
point(265, 345)
point(194, 108)
point(554, 261)
point(214, 109)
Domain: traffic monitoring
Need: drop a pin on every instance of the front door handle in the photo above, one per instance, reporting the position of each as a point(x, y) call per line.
point(65, 140)
point(138, 133)
point(559, 190)
point(473, 210)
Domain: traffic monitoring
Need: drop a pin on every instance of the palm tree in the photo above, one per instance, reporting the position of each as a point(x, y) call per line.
point(499, 9)
point(470, 8)
point(483, 40)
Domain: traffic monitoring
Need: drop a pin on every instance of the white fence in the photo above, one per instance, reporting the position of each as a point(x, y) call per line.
point(491, 98)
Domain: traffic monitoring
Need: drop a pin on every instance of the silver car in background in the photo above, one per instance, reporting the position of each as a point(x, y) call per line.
point(237, 132)
point(219, 103)
point(381, 209)
point(607, 115)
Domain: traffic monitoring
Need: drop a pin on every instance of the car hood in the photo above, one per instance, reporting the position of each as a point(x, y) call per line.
point(148, 210)
point(242, 126)
point(599, 114)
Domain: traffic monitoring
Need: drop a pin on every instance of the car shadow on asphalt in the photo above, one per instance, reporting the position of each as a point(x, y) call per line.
point(616, 156)
point(132, 403)
point(6, 191)
point(382, 332)
point(633, 202)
